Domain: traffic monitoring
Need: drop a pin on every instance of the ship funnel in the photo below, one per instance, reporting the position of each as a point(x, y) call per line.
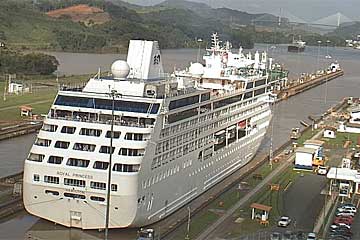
point(145, 60)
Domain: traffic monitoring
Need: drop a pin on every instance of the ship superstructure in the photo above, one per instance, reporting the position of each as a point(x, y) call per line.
point(174, 137)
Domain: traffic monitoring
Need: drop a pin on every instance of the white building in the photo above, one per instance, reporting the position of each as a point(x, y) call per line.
point(329, 133)
point(353, 126)
point(343, 181)
point(304, 158)
point(317, 146)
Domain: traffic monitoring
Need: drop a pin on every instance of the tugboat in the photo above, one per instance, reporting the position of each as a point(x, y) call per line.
point(297, 46)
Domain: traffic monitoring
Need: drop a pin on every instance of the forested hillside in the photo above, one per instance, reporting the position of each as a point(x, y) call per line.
point(28, 24)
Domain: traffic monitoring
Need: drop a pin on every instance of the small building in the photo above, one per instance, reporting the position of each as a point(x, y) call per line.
point(319, 151)
point(343, 181)
point(260, 211)
point(26, 111)
point(15, 88)
point(304, 158)
point(329, 132)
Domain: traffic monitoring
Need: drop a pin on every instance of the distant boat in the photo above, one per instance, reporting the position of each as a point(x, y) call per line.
point(297, 46)
point(328, 57)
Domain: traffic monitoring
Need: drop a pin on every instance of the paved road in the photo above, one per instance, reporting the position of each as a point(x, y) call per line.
point(303, 201)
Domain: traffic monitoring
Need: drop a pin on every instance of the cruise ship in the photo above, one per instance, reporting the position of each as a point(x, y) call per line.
point(174, 137)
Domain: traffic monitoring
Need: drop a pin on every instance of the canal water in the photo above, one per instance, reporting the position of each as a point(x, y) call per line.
point(288, 114)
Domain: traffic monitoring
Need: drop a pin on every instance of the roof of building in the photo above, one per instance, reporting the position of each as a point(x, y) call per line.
point(305, 150)
point(343, 174)
point(25, 107)
point(353, 125)
point(261, 207)
point(331, 128)
point(314, 142)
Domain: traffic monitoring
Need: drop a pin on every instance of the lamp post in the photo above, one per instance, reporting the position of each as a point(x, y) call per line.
point(199, 40)
point(318, 56)
point(113, 94)
point(187, 237)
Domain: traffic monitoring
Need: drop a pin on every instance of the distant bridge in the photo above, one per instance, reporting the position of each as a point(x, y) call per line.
point(334, 20)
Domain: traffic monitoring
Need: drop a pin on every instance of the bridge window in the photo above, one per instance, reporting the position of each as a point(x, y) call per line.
point(52, 179)
point(74, 182)
point(260, 82)
point(98, 185)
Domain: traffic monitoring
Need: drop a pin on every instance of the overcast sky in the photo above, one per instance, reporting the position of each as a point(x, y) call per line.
point(304, 9)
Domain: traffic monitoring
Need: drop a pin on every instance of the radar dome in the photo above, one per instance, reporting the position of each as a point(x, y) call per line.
point(120, 69)
point(196, 69)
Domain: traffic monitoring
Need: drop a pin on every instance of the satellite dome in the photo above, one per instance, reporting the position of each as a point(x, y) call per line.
point(196, 69)
point(120, 69)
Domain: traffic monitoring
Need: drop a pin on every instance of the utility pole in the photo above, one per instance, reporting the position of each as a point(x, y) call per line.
point(107, 214)
point(187, 237)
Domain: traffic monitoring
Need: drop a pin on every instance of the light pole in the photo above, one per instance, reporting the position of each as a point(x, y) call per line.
point(326, 80)
point(113, 94)
point(199, 40)
point(318, 57)
point(187, 237)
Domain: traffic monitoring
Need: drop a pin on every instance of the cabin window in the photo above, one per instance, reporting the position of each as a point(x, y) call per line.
point(134, 136)
point(42, 142)
point(49, 127)
point(84, 147)
point(68, 130)
point(116, 134)
point(55, 160)
point(36, 157)
point(106, 149)
point(126, 167)
point(260, 82)
point(90, 132)
point(78, 162)
point(61, 144)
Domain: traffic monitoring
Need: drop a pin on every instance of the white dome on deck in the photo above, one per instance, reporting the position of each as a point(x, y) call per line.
point(196, 69)
point(120, 69)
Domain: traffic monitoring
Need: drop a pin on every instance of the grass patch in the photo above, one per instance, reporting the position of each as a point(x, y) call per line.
point(308, 134)
point(340, 140)
point(40, 98)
